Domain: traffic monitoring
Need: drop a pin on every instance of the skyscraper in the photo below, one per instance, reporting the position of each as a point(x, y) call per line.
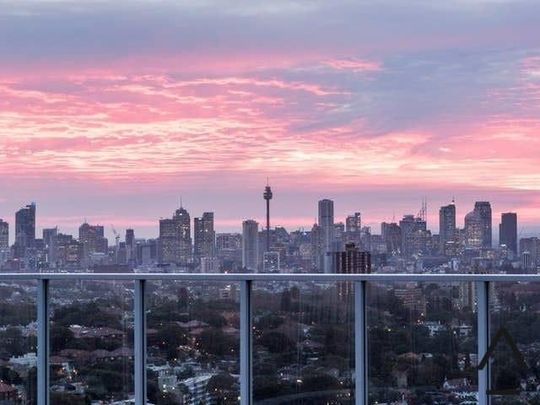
point(413, 235)
point(250, 245)
point(25, 230)
point(50, 240)
point(508, 231)
point(92, 239)
point(4, 234)
point(131, 257)
point(175, 244)
point(483, 208)
point(204, 236)
point(447, 225)
point(391, 234)
point(326, 222)
point(474, 230)
point(168, 242)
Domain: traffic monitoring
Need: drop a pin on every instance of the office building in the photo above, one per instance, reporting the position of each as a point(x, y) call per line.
point(92, 239)
point(350, 261)
point(483, 208)
point(413, 235)
point(50, 240)
point(391, 235)
point(25, 230)
point(175, 245)
point(353, 223)
point(508, 231)
point(4, 235)
point(250, 245)
point(326, 223)
point(447, 226)
point(529, 249)
point(271, 262)
point(474, 230)
point(204, 236)
point(229, 246)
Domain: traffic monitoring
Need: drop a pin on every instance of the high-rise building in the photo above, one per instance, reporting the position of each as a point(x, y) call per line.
point(483, 208)
point(175, 244)
point(529, 248)
point(271, 262)
point(353, 223)
point(25, 230)
point(391, 235)
point(131, 245)
point(317, 248)
point(326, 222)
point(250, 245)
point(350, 261)
point(92, 240)
point(339, 232)
point(4, 234)
point(229, 246)
point(50, 240)
point(474, 230)
point(447, 225)
point(413, 235)
point(204, 236)
point(168, 242)
point(508, 231)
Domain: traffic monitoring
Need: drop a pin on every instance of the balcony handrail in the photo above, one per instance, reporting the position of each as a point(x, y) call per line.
point(261, 277)
point(246, 281)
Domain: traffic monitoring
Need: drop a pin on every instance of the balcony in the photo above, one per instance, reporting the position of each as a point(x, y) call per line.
point(268, 338)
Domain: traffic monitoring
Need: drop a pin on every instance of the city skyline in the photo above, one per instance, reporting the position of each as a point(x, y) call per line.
point(432, 218)
point(370, 105)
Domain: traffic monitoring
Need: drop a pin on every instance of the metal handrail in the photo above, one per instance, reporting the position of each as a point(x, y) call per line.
point(301, 277)
point(247, 281)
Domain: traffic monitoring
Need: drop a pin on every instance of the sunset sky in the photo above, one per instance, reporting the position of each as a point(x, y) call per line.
point(113, 110)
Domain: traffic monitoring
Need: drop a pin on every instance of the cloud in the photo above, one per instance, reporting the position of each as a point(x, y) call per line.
point(148, 99)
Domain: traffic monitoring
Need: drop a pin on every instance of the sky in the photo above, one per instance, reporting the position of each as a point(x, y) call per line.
point(113, 112)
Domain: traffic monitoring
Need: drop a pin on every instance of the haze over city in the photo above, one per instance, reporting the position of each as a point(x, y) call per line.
point(370, 105)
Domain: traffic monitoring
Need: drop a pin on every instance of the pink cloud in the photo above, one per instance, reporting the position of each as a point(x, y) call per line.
point(355, 65)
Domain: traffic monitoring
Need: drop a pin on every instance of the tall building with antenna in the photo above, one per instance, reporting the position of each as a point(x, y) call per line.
point(267, 197)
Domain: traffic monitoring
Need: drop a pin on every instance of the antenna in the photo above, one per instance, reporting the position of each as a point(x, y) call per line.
point(422, 214)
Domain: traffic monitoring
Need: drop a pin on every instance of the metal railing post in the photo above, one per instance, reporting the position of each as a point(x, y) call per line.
point(246, 347)
point(360, 343)
point(483, 340)
point(43, 342)
point(140, 342)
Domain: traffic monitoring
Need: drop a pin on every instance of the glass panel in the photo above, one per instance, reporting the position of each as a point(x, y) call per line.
point(91, 342)
point(193, 342)
point(18, 342)
point(303, 343)
point(422, 343)
point(515, 339)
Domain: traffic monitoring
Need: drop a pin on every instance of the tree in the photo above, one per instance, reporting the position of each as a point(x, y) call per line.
point(224, 388)
point(276, 342)
point(213, 341)
point(61, 337)
point(169, 337)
